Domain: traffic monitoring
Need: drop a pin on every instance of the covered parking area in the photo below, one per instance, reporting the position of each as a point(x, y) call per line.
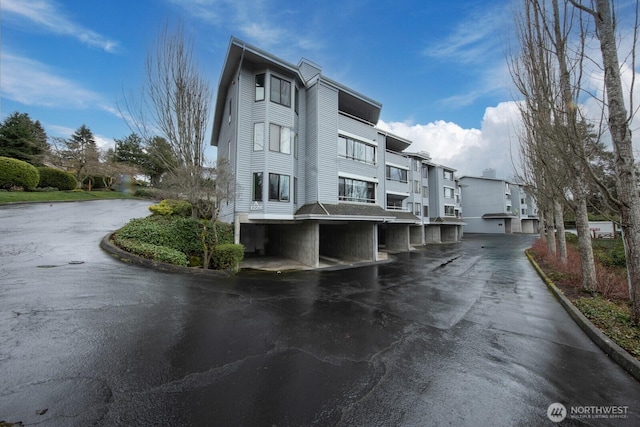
point(341, 232)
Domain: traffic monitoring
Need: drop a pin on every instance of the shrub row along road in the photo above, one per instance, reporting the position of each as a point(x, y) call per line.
point(458, 334)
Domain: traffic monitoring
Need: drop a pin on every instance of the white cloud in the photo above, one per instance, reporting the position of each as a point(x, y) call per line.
point(46, 14)
point(469, 151)
point(32, 83)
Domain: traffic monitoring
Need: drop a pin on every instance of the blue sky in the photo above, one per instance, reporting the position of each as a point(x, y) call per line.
point(438, 67)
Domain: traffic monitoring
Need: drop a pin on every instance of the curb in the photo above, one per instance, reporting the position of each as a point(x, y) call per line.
point(124, 256)
point(613, 350)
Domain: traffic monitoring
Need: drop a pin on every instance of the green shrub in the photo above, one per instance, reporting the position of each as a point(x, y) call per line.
point(176, 233)
point(227, 257)
point(571, 238)
point(610, 252)
point(145, 193)
point(179, 234)
point(16, 173)
point(171, 207)
point(51, 177)
point(151, 251)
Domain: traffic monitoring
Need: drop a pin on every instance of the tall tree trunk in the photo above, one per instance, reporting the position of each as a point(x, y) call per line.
point(562, 238)
point(626, 180)
point(588, 266)
point(551, 233)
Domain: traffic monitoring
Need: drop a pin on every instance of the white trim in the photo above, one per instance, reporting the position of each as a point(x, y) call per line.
point(271, 216)
point(357, 137)
point(398, 193)
point(358, 177)
point(407, 168)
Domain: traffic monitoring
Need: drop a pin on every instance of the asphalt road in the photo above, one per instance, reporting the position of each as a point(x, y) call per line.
point(457, 334)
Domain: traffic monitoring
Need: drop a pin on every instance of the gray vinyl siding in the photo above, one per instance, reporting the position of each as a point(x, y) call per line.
point(327, 144)
point(436, 192)
point(227, 146)
point(356, 127)
point(244, 149)
point(299, 168)
point(311, 144)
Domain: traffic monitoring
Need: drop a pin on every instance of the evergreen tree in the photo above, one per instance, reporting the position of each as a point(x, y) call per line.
point(22, 138)
point(81, 153)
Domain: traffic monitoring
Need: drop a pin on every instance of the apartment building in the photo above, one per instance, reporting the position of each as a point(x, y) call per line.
point(314, 175)
point(494, 205)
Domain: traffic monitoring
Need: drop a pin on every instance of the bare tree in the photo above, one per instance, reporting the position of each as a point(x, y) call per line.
point(628, 200)
point(549, 78)
point(175, 105)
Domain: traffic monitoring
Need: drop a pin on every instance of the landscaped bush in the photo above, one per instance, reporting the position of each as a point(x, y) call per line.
point(15, 173)
point(171, 207)
point(610, 252)
point(151, 251)
point(56, 178)
point(176, 233)
point(145, 193)
point(227, 257)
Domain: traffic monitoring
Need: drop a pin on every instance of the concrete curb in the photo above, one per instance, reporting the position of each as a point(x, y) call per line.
point(107, 245)
point(613, 350)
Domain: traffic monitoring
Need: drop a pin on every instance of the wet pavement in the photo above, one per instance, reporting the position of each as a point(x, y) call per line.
point(456, 334)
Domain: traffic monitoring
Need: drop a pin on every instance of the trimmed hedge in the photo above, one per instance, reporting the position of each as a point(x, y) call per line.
point(171, 207)
point(178, 233)
point(227, 257)
point(56, 178)
point(151, 251)
point(16, 173)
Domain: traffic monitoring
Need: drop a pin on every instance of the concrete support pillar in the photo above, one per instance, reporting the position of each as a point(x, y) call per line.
point(398, 237)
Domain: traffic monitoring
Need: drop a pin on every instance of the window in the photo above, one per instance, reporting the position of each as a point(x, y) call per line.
point(448, 193)
point(426, 212)
point(396, 174)
point(410, 206)
point(356, 150)
point(508, 208)
point(278, 187)
point(425, 172)
point(448, 174)
point(280, 91)
point(295, 190)
point(279, 139)
point(258, 136)
point(257, 187)
point(449, 210)
point(418, 209)
point(416, 187)
point(260, 87)
point(354, 190)
point(425, 191)
point(230, 107)
point(296, 100)
point(394, 203)
point(416, 165)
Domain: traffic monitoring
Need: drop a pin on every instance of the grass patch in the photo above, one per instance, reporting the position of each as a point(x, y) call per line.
point(59, 196)
point(614, 320)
